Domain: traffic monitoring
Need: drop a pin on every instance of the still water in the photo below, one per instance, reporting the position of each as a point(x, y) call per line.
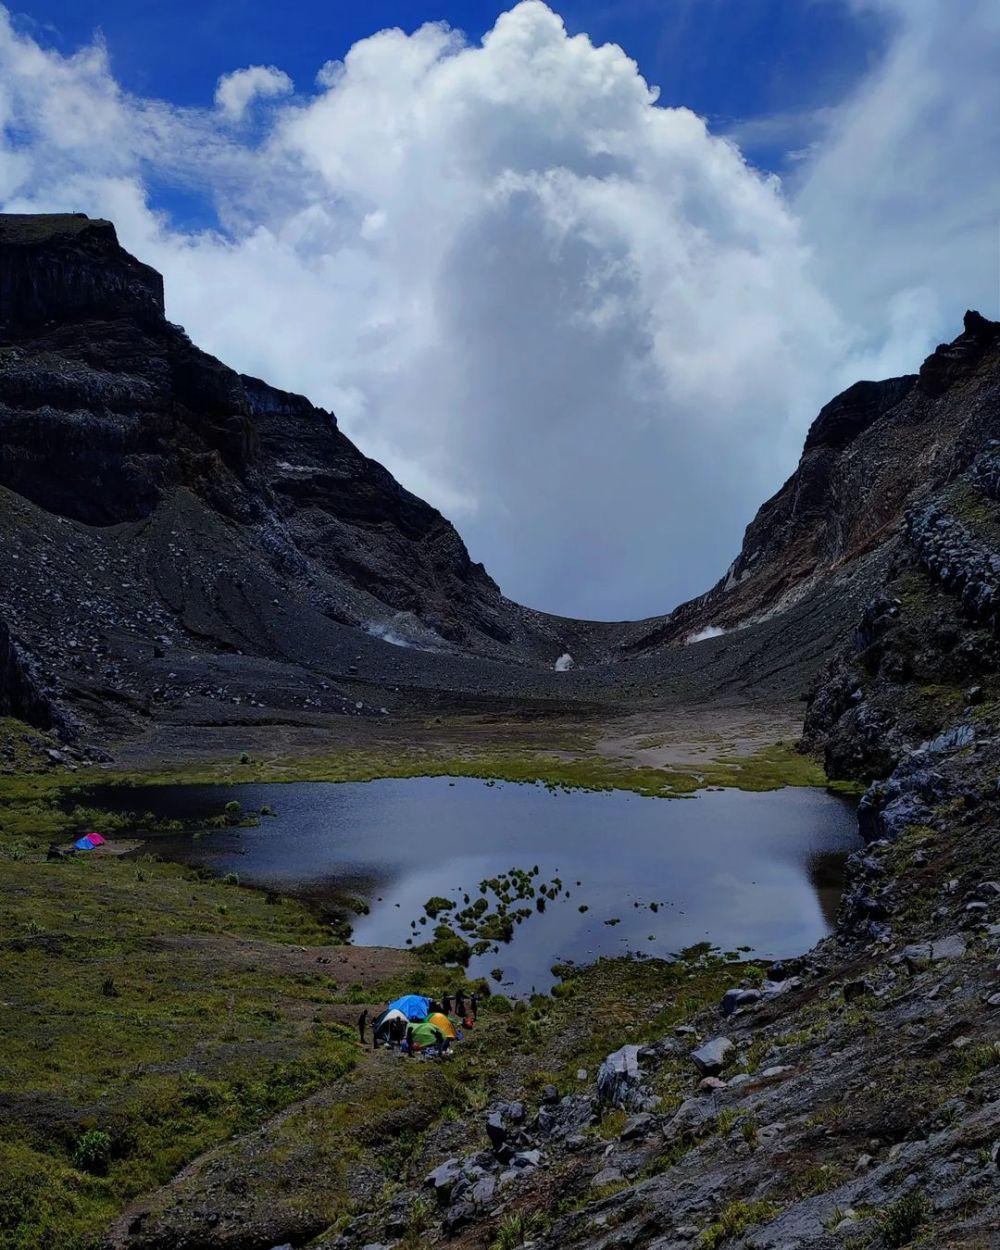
point(736, 869)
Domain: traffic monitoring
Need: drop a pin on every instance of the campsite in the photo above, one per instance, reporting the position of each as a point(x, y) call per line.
point(499, 625)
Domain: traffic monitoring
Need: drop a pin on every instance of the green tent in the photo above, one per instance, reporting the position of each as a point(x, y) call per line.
point(424, 1034)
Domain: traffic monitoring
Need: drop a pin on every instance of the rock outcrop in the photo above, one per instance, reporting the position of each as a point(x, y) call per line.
point(873, 453)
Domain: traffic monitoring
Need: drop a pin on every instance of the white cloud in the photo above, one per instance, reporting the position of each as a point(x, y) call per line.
point(238, 90)
point(901, 199)
point(574, 319)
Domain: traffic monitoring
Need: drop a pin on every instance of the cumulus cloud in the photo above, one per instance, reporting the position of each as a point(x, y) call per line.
point(236, 91)
point(575, 320)
point(900, 199)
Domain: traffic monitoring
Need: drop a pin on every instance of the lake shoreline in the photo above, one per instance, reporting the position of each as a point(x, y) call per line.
point(374, 854)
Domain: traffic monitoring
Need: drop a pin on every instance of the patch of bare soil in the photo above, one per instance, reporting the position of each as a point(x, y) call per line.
point(682, 736)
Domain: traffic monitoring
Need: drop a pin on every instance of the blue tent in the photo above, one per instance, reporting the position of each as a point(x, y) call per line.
point(414, 1006)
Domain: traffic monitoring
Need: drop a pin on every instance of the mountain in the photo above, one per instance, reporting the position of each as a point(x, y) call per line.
point(870, 454)
point(153, 500)
point(185, 544)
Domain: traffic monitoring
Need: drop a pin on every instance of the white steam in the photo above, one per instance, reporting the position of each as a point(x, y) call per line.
point(710, 631)
point(406, 630)
point(564, 663)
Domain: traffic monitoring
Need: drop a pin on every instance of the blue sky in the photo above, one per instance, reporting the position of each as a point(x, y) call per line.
point(729, 60)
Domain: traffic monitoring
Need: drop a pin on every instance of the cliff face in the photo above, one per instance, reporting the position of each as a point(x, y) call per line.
point(870, 453)
point(151, 497)
point(53, 267)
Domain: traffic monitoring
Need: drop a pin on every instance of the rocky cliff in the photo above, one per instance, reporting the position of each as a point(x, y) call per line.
point(870, 454)
point(182, 543)
point(154, 500)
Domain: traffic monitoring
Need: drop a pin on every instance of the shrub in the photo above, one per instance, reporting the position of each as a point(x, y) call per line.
point(901, 1219)
point(515, 1229)
point(93, 1151)
point(233, 812)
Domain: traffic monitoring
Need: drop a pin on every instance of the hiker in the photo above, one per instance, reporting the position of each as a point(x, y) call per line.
point(460, 1003)
point(475, 1007)
point(363, 1026)
point(446, 1008)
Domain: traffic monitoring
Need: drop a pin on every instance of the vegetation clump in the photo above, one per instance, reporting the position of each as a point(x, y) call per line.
point(734, 1220)
point(900, 1221)
point(93, 1152)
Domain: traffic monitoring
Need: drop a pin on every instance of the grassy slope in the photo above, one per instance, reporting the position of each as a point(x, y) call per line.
point(767, 769)
point(137, 1035)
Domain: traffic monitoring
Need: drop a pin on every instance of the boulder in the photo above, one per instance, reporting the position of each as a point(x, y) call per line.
point(920, 955)
point(457, 1216)
point(483, 1190)
point(736, 999)
point(713, 1056)
point(638, 1126)
point(444, 1178)
point(619, 1079)
point(495, 1130)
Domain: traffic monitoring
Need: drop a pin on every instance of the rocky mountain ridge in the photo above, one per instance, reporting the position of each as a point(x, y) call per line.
point(872, 451)
point(181, 541)
point(228, 516)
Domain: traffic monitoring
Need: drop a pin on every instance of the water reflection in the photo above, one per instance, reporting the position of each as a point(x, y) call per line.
point(761, 870)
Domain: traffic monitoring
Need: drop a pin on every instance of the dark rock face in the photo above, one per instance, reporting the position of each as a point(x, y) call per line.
point(59, 266)
point(871, 454)
point(171, 530)
point(151, 497)
point(21, 691)
point(854, 411)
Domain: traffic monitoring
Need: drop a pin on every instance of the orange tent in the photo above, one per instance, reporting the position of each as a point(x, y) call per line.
point(441, 1021)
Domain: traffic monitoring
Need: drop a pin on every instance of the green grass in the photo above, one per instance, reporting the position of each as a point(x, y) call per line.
point(769, 768)
point(900, 1221)
point(137, 1036)
point(734, 1220)
point(133, 1040)
point(517, 1228)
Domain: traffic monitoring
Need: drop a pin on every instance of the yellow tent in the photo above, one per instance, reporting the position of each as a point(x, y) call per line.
point(442, 1022)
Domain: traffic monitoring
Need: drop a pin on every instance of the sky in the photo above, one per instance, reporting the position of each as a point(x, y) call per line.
point(579, 275)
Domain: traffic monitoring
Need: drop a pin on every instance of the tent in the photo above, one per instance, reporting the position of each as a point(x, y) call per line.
point(424, 1035)
point(443, 1023)
point(89, 841)
point(413, 1006)
point(382, 1026)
